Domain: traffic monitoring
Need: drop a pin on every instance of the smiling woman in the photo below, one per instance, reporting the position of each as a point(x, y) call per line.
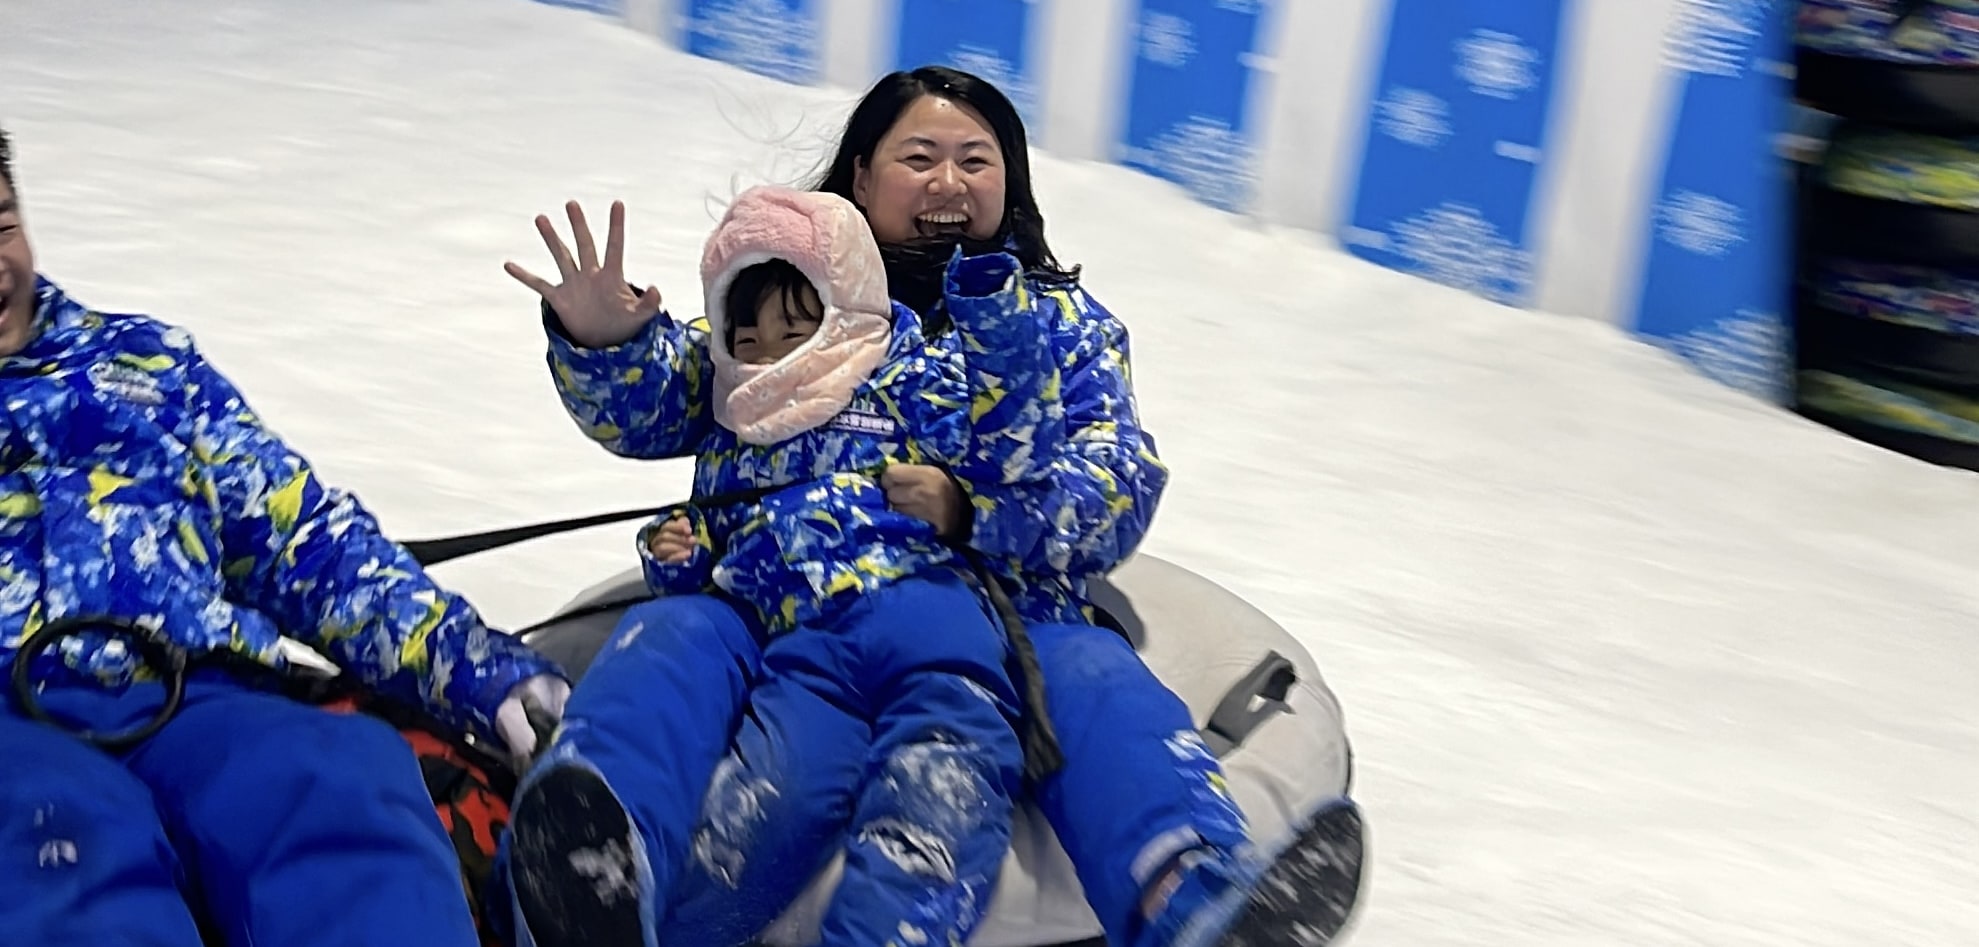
point(936, 174)
point(950, 164)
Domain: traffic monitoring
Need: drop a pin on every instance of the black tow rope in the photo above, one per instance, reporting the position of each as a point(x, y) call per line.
point(1042, 753)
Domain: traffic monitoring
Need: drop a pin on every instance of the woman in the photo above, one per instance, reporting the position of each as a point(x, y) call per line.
point(935, 159)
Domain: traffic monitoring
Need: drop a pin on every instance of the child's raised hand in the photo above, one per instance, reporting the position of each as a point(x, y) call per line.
point(673, 542)
point(593, 302)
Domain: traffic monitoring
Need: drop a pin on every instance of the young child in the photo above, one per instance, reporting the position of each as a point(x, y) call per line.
point(884, 716)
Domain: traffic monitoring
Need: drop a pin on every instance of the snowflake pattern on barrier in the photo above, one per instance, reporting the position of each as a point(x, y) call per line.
point(1497, 64)
point(1209, 159)
point(1167, 40)
point(1715, 37)
point(1245, 7)
point(1454, 245)
point(1699, 223)
point(1746, 351)
point(1414, 117)
point(761, 36)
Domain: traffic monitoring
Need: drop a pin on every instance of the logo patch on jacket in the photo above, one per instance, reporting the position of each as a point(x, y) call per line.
point(131, 384)
point(863, 422)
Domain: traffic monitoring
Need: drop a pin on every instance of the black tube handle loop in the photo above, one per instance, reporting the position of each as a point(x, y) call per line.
point(157, 652)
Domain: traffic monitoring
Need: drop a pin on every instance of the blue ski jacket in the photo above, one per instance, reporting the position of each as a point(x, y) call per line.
point(1027, 403)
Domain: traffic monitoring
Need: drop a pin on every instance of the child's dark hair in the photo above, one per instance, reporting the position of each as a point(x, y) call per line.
point(754, 285)
point(6, 159)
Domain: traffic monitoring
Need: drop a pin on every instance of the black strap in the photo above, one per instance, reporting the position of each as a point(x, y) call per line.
point(1258, 696)
point(432, 552)
point(1042, 754)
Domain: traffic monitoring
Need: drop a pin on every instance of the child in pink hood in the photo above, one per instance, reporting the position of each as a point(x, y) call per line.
point(885, 718)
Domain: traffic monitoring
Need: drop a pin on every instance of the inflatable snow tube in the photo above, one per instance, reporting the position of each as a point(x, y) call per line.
point(1895, 196)
point(1256, 693)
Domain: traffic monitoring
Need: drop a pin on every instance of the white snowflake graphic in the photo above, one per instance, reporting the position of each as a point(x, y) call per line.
point(1497, 64)
point(1454, 245)
point(766, 37)
point(1240, 6)
point(1414, 117)
point(1699, 223)
point(1715, 37)
point(1208, 158)
point(1746, 351)
point(999, 71)
point(1167, 39)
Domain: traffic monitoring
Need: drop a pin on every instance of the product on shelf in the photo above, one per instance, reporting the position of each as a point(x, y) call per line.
point(1908, 63)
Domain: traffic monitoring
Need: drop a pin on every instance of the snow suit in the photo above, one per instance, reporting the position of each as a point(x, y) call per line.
point(139, 491)
point(1137, 785)
point(881, 714)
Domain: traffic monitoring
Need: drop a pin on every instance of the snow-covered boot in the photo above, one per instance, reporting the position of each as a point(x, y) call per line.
point(575, 864)
point(1301, 895)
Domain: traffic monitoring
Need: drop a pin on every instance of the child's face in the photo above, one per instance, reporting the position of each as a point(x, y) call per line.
point(782, 324)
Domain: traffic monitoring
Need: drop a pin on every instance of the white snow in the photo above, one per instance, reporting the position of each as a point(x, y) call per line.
point(1628, 658)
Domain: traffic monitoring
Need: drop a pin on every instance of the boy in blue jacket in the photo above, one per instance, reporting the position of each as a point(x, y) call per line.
point(885, 703)
point(147, 518)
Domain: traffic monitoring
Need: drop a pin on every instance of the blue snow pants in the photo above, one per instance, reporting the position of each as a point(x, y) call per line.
point(890, 738)
point(1138, 786)
point(263, 820)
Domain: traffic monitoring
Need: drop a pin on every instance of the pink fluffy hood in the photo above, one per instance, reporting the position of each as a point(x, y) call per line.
point(827, 239)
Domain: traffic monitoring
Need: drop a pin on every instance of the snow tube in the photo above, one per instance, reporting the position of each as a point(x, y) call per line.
point(1264, 709)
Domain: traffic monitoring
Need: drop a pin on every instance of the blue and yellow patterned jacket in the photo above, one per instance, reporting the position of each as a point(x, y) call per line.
point(137, 485)
point(1061, 479)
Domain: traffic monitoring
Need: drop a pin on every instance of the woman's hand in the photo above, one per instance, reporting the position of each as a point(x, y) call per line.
point(926, 493)
point(595, 305)
point(673, 542)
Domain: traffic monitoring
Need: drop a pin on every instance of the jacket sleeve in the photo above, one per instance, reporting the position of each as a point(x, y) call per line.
point(1017, 420)
point(313, 559)
point(1098, 493)
point(647, 398)
point(679, 578)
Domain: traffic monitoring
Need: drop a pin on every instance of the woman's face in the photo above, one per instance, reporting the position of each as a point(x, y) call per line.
point(938, 171)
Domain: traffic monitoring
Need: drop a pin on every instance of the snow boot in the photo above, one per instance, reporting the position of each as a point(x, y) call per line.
point(1300, 896)
point(574, 864)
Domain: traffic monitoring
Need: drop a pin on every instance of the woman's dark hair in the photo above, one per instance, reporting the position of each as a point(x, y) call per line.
point(754, 285)
point(6, 159)
point(914, 269)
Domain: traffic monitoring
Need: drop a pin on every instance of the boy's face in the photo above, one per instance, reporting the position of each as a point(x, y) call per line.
point(16, 276)
point(780, 327)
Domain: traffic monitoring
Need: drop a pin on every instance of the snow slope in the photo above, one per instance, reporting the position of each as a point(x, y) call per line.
point(1628, 659)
